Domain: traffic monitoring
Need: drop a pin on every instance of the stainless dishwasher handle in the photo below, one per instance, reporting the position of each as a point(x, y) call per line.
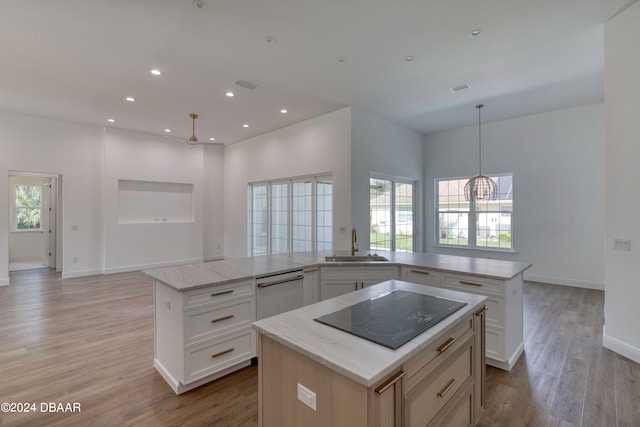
point(279, 282)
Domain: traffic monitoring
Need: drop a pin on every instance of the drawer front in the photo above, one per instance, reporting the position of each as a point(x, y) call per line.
point(495, 304)
point(432, 394)
point(458, 412)
point(372, 272)
point(494, 343)
point(421, 276)
point(477, 285)
point(218, 294)
point(224, 352)
point(209, 321)
point(425, 362)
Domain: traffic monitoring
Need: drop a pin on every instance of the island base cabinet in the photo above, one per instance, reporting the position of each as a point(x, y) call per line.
point(442, 385)
point(339, 401)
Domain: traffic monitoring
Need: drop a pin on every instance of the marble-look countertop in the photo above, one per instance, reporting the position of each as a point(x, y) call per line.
point(356, 358)
point(192, 276)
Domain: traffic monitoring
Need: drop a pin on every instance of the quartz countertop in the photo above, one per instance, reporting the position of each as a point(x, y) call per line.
point(356, 358)
point(192, 276)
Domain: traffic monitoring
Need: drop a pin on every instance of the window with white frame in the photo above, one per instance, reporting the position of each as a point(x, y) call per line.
point(474, 224)
point(28, 207)
point(291, 215)
point(391, 208)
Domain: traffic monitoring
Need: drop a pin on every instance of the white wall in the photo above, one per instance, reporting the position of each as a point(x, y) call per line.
point(381, 147)
point(90, 161)
point(31, 144)
point(559, 202)
point(318, 145)
point(213, 199)
point(142, 157)
point(622, 91)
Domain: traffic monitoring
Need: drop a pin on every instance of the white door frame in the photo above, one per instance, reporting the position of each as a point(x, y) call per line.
point(55, 238)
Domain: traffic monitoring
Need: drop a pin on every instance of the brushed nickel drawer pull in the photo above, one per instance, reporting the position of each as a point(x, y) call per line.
point(391, 381)
point(222, 353)
point(220, 319)
point(420, 271)
point(279, 282)
point(448, 343)
point(481, 311)
point(310, 270)
point(216, 294)
point(470, 283)
point(446, 389)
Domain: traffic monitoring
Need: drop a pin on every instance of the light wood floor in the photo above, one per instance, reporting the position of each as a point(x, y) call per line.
point(90, 340)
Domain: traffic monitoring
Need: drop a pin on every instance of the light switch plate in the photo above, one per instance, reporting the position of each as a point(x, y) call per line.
point(307, 397)
point(622, 244)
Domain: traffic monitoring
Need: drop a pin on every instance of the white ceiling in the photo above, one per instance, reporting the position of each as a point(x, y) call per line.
point(76, 60)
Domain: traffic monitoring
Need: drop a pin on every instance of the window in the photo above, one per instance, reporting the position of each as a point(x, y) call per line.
point(28, 207)
point(477, 225)
point(292, 215)
point(391, 208)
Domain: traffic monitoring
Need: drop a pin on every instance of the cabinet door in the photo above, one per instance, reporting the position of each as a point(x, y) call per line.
point(385, 401)
point(335, 288)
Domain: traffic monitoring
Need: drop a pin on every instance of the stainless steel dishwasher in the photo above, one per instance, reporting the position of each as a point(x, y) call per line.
point(279, 293)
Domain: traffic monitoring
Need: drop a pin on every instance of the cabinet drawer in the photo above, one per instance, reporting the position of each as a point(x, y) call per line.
point(432, 394)
point(373, 272)
point(458, 412)
point(494, 343)
point(421, 365)
point(421, 276)
point(209, 321)
point(225, 352)
point(478, 285)
point(218, 294)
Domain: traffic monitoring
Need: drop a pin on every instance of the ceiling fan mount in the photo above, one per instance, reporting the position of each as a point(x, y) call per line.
point(193, 140)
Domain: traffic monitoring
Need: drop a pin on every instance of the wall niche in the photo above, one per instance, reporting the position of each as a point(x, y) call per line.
point(149, 202)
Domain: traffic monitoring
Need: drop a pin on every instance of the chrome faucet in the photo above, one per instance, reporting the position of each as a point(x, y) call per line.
point(354, 241)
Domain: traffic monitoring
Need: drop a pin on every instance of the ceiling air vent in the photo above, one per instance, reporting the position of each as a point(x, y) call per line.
point(460, 87)
point(246, 85)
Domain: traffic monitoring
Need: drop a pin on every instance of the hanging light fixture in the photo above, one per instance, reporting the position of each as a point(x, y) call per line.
point(480, 187)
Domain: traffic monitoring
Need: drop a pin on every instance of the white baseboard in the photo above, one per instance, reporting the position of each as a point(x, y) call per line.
point(626, 350)
point(213, 258)
point(136, 267)
point(565, 282)
point(80, 273)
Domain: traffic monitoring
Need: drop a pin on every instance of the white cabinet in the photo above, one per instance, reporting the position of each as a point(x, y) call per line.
point(338, 280)
point(504, 318)
point(504, 331)
point(310, 285)
point(204, 333)
point(421, 276)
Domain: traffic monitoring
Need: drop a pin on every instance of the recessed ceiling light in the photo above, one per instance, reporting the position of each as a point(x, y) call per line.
point(156, 72)
point(270, 39)
point(284, 111)
point(342, 59)
point(199, 4)
point(130, 99)
point(167, 130)
point(212, 139)
point(111, 120)
point(476, 32)
point(408, 58)
point(230, 94)
point(245, 125)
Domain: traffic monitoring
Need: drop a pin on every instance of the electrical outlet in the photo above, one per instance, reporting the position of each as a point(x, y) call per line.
point(307, 397)
point(167, 303)
point(622, 244)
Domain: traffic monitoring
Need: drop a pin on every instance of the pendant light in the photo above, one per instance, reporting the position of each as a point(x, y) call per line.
point(480, 187)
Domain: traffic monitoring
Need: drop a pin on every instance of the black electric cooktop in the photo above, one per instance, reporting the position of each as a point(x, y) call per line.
point(394, 318)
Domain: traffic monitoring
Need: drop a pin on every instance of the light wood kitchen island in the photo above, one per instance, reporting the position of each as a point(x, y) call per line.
point(437, 378)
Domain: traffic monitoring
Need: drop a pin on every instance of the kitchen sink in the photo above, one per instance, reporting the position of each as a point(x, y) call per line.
point(356, 258)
